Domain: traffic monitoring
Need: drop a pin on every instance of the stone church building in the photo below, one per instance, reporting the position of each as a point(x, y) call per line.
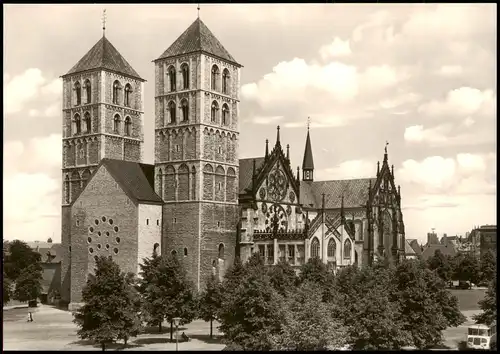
point(199, 201)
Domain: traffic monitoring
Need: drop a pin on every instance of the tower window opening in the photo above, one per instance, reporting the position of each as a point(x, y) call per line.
point(78, 124)
point(116, 89)
point(213, 111)
point(88, 122)
point(157, 222)
point(128, 125)
point(78, 92)
point(185, 76)
point(225, 114)
point(116, 124)
point(218, 223)
point(147, 221)
point(185, 251)
point(175, 220)
point(219, 186)
point(128, 91)
point(172, 112)
point(185, 110)
point(220, 150)
point(171, 74)
point(88, 90)
point(225, 81)
point(214, 77)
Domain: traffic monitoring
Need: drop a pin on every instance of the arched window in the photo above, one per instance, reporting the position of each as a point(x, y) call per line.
point(172, 112)
point(347, 249)
point(185, 110)
point(116, 124)
point(221, 251)
point(315, 248)
point(215, 108)
point(78, 92)
point(155, 248)
point(128, 126)
point(88, 123)
point(173, 253)
point(128, 91)
point(225, 114)
point(214, 76)
point(331, 248)
point(116, 88)
point(185, 251)
point(88, 90)
point(225, 81)
point(185, 76)
point(78, 124)
point(171, 75)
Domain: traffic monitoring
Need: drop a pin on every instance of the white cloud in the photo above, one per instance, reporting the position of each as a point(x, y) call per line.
point(348, 170)
point(12, 156)
point(433, 173)
point(338, 48)
point(417, 134)
point(53, 110)
point(267, 120)
point(446, 135)
point(47, 151)
point(53, 88)
point(464, 101)
point(21, 89)
point(468, 122)
point(450, 70)
point(399, 100)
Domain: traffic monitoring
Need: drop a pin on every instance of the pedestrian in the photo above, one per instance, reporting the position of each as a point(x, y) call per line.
point(30, 317)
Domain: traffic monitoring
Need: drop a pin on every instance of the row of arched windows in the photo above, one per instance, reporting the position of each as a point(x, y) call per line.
point(116, 94)
point(214, 113)
point(117, 125)
point(78, 127)
point(173, 77)
point(332, 246)
point(214, 80)
point(78, 91)
point(172, 111)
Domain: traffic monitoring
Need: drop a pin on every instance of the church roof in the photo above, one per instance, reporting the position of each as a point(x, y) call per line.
point(136, 179)
point(431, 249)
point(308, 163)
point(198, 38)
point(246, 171)
point(103, 55)
point(355, 193)
point(409, 249)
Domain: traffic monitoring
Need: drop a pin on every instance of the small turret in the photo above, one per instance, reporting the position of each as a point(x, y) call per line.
point(308, 163)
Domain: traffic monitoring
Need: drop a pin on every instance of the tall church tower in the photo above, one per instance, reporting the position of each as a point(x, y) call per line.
point(102, 118)
point(196, 151)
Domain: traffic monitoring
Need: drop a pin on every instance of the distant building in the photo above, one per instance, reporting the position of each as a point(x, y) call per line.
point(432, 238)
point(451, 240)
point(412, 249)
point(430, 249)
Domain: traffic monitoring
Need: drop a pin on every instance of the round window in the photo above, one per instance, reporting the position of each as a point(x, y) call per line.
point(91, 229)
point(98, 246)
point(107, 233)
point(96, 258)
point(117, 240)
point(110, 221)
point(89, 239)
point(116, 228)
point(103, 219)
point(98, 233)
point(107, 246)
point(91, 250)
point(96, 222)
point(115, 250)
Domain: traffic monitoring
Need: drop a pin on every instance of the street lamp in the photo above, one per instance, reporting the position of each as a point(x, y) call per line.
point(176, 323)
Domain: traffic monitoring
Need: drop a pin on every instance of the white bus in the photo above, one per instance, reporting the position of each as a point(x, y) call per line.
point(480, 336)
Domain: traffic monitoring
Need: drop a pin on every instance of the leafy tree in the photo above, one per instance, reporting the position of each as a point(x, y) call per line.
point(427, 308)
point(282, 277)
point(28, 284)
point(19, 257)
point(488, 267)
point(252, 314)
point(308, 323)
point(210, 301)
point(466, 268)
point(440, 263)
point(109, 310)
point(364, 304)
point(7, 289)
point(132, 323)
point(314, 271)
point(488, 305)
point(166, 291)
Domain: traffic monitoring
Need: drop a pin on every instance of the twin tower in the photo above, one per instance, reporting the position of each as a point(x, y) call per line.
point(196, 166)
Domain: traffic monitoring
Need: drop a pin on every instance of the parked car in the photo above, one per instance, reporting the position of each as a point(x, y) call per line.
point(463, 285)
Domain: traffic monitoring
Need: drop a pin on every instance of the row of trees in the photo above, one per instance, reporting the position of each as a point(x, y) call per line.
point(22, 272)
point(464, 267)
point(261, 307)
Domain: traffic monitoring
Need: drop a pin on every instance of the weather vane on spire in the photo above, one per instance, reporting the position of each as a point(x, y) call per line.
point(386, 143)
point(198, 9)
point(103, 21)
point(308, 122)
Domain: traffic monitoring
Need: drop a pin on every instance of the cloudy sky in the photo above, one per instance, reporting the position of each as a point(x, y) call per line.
point(422, 77)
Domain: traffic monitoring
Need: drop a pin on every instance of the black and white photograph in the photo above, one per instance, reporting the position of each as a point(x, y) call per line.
point(235, 176)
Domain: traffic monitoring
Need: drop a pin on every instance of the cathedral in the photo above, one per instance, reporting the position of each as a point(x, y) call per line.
point(199, 201)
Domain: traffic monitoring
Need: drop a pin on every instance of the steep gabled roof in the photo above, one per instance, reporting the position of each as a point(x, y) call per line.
point(103, 55)
point(198, 38)
point(136, 179)
point(355, 193)
point(308, 163)
point(429, 250)
point(246, 171)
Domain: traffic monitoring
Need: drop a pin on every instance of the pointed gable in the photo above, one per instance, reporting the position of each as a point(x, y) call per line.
point(103, 55)
point(198, 38)
point(308, 163)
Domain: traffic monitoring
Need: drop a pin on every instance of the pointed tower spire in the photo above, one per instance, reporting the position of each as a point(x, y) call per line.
point(378, 168)
point(278, 136)
point(267, 149)
point(385, 152)
point(288, 151)
point(308, 163)
point(198, 8)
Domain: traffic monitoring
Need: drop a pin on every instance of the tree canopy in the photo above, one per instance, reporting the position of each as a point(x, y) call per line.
point(28, 284)
point(488, 267)
point(19, 257)
point(488, 305)
point(210, 300)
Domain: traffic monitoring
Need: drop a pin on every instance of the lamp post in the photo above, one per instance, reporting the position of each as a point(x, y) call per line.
point(176, 323)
